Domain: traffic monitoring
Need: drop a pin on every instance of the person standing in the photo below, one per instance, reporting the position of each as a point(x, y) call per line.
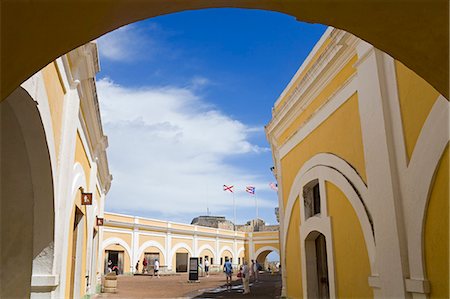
point(137, 267)
point(228, 269)
point(144, 265)
point(207, 268)
point(256, 270)
point(246, 277)
point(252, 270)
point(156, 268)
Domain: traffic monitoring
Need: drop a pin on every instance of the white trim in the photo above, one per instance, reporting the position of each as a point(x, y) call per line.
point(335, 170)
point(121, 231)
point(418, 180)
point(308, 59)
point(148, 244)
point(322, 114)
point(181, 245)
point(206, 246)
point(267, 241)
point(265, 248)
point(321, 224)
point(226, 248)
point(115, 240)
point(239, 251)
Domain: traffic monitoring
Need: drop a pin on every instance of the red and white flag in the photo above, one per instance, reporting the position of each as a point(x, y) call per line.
point(274, 186)
point(228, 188)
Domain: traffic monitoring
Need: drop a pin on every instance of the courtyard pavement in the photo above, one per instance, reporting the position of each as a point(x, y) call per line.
point(269, 286)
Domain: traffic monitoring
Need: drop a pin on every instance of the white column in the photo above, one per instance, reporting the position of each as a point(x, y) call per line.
point(235, 260)
point(195, 243)
point(134, 245)
point(384, 199)
point(251, 246)
point(217, 249)
point(63, 193)
point(169, 248)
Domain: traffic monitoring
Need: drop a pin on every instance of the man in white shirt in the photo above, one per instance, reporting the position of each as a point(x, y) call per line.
point(156, 268)
point(207, 268)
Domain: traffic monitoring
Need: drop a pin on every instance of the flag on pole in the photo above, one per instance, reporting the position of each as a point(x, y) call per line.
point(228, 188)
point(250, 189)
point(274, 186)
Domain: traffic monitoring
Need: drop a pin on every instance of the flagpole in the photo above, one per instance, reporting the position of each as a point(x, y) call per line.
point(256, 205)
point(234, 207)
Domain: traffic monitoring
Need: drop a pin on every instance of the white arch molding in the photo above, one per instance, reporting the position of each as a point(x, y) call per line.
point(148, 244)
point(175, 248)
point(206, 246)
point(227, 248)
point(239, 251)
point(328, 167)
point(266, 248)
point(115, 240)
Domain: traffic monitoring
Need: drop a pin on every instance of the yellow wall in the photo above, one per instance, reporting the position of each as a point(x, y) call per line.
point(258, 246)
point(351, 260)
point(437, 232)
point(152, 222)
point(175, 241)
point(321, 99)
point(125, 237)
point(120, 218)
point(293, 259)
point(77, 203)
point(339, 135)
point(416, 98)
point(144, 238)
point(55, 92)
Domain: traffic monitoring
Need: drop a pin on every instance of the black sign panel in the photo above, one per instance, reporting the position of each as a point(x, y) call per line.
point(193, 268)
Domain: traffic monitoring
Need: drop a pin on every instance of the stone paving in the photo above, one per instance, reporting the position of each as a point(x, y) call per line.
point(269, 286)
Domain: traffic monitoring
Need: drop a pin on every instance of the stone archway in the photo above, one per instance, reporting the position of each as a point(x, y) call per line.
point(409, 30)
point(27, 200)
point(262, 253)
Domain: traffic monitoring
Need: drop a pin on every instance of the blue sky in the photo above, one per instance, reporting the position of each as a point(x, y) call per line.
point(184, 99)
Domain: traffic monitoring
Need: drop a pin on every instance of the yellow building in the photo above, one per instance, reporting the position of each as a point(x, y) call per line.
point(360, 145)
point(128, 239)
point(53, 150)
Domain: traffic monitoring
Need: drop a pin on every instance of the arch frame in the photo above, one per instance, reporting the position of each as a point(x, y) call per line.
point(206, 246)
point(226, 248)
point(150, 243)
point(265, 248)
point(116, 240)
point(329, 167)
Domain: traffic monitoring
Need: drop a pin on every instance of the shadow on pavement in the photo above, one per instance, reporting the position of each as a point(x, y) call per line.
point(268, 286)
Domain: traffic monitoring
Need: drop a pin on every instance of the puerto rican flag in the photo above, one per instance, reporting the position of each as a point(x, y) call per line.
point(250, 189)
point(228, 188)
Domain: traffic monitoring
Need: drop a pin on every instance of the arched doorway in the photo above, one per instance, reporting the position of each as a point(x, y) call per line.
point(268, 258)
point(317, 266)
point(118, 252)
point(27, 199)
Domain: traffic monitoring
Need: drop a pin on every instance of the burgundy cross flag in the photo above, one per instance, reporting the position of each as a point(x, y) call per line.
point(250, 189)
point(228, 188)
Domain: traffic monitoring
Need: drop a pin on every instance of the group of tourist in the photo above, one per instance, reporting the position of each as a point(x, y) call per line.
point(245, 272)
point(145, 267)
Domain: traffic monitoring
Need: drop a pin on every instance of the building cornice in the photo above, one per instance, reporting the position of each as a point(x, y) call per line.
point(339, 51)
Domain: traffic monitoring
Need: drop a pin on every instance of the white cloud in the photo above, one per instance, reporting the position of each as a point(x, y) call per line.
point(128, 43)
point(168, 149)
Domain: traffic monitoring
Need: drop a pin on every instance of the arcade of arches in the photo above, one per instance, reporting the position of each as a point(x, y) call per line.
point(169, 242)
point(359, 140)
